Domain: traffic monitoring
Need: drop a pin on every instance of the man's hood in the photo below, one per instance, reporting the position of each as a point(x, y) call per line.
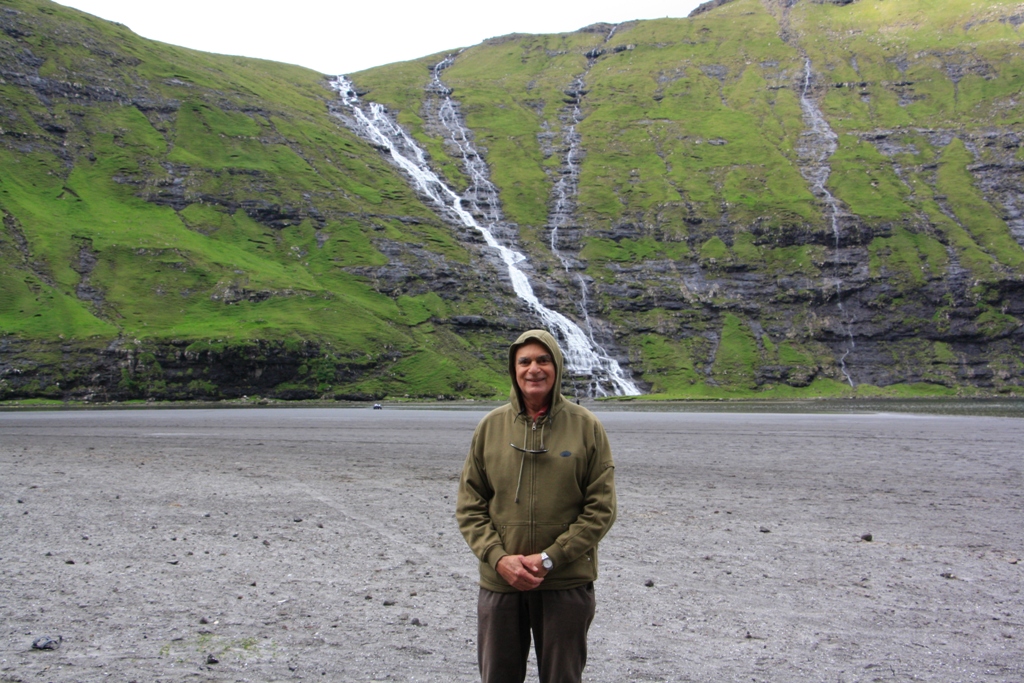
point(548, 341)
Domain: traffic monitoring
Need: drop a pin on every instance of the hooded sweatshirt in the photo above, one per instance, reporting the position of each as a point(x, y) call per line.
point(560, 501)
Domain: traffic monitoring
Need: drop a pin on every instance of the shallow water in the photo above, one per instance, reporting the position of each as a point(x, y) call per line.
point(981, 407)
point(1010, 407)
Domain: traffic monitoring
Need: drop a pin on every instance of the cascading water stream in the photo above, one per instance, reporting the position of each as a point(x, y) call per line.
point(566, 187)
point(564, 192)
point(374, 124)
point(822, 144)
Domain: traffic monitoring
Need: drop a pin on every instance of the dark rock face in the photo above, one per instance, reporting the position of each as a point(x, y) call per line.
point(180, 370)
point(708, 6)
point(272, 215)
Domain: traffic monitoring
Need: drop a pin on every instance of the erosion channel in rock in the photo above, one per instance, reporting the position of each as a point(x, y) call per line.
point(817, 144)
point(565, 189)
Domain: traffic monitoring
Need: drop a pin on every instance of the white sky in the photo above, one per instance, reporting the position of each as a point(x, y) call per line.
point(339, 37)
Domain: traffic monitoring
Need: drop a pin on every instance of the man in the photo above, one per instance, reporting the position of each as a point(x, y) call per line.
point(537, 494)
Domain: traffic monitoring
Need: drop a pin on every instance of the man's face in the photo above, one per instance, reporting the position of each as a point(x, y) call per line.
point(535, 373)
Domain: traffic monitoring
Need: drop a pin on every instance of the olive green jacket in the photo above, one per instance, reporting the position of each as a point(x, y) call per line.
point(561, 501)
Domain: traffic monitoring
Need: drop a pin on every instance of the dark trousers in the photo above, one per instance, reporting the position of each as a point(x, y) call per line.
point(559, 620)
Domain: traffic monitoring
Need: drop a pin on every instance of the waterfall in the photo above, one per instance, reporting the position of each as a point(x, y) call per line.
point(371, 121)
point(822, 143)
point(565, 189)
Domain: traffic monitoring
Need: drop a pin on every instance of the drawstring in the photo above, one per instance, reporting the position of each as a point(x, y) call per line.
point(522, 461)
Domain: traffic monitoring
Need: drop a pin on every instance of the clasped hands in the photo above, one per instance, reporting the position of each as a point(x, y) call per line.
point(522, 572)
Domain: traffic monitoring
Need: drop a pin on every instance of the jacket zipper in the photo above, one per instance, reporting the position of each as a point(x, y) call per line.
point(533, 485)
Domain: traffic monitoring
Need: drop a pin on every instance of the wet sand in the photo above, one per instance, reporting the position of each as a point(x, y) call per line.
point(307, 544)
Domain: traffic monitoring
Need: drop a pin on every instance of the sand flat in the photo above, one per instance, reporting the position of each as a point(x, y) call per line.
point(292, 544)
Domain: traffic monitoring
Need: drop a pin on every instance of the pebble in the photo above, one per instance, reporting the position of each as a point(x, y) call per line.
point(649, 583)
point(47, 643)
point(867, 537)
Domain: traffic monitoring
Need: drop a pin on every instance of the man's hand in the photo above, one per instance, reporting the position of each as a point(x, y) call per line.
point(535, 565)
point(521, 572)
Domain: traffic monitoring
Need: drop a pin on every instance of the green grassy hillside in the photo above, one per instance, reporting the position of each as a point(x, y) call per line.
point(152, 193)
point(180, 224)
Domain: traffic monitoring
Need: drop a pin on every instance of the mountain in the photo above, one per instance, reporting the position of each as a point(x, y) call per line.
point(764, 199)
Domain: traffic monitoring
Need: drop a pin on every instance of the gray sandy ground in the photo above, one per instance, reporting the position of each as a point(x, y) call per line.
point(321, 545)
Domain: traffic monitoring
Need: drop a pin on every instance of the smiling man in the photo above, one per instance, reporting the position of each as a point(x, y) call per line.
point(537, 494)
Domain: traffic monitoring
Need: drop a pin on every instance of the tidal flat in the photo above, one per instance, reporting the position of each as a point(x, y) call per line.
point(298, 544)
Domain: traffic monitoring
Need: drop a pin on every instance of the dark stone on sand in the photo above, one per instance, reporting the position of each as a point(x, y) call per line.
point(867, 537)
point(649, 583)
point(47, 643)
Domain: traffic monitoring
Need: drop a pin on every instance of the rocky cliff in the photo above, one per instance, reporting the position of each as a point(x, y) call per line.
point(768, 195)
point(764, 199)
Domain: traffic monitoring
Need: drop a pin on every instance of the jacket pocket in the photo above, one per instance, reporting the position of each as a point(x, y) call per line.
point(515, 538)
point(582, 570)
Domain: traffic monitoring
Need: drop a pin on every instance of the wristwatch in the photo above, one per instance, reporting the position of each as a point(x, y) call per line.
point(547, 562)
